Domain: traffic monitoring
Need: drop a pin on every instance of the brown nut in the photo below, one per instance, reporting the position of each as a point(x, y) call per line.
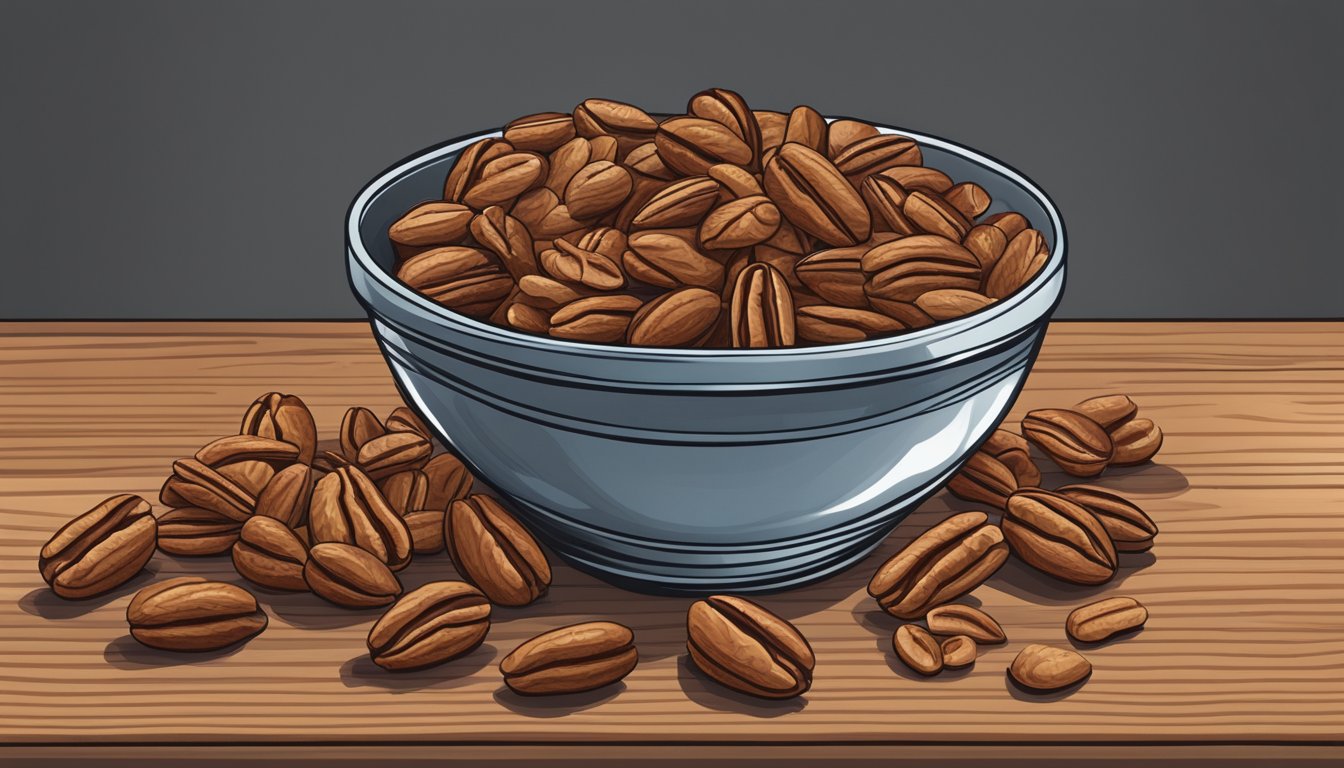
point(908, 314)
point(1105, 619)
point(644, 160)
point(734, 181)
point(448, 480)
point(190, 613)
point(507, 238)
point(872, 155)
point(506, 177)
point(970, 199)
point(784, 251)
point(958, 651)
point(1136, 441)
point(204, 487)
point(747, 648)
point(813, 195)
point(958, 619)
point(835, 275)
point(1059, 537)
point(1011, 223)
point(251, 476)
point(985, 479)
point(542, 214)
point(495, 552)
point(1109, 411)
point(918, 177)
point(730, 110)
point(426, 527)
point(270, 554)
point(170, 494)
point(825, 324)
point(740, 223)
point(903, 270)
point(565, 161)
point(286, 495)
point(679, 204)
point(467, 169)
point(282, 417)
point(530, 319)
point(1022, 259)
point(773, 127)
point(762, 309)
point(951, 303)
point(1042, 668)
point(1130, 528)
point(918, 649)
point(690, 145)
point(406, 491)
point(573, 659)
point(681, 318)
point(885, 198)
point(349, 576)
point(101, 549)
point(430, 625)
point(348, 508)
point(358, 426)
point(544, 293)
point(1012, 449)
point(590, 268)
point(391, 453)
point(462, 279)
point(987, 243)
point(196, 532)
point(840, 134)
point(596, 188)
point(541, 132)
point(1073, 441)
point(403, 419)
point(670, 261)
point(942, 564)
point(599, 319)
point(807, 127)
point(630, 126)
point(433, 223)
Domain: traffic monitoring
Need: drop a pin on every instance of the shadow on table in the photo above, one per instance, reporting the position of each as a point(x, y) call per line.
point(361, 672)
point(126, 653)
point(1021, 580)
point(556, 706)
point(46, 604)
point(711, 695)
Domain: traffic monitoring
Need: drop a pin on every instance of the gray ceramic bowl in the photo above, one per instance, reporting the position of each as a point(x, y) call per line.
point(694, 471)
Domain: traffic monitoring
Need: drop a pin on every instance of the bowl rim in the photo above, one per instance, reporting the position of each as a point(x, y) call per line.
point(359, 255)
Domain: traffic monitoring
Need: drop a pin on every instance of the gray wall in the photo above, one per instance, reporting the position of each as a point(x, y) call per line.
point(169, 159)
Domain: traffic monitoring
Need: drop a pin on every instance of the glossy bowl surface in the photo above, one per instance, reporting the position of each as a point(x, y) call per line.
point(697, 471)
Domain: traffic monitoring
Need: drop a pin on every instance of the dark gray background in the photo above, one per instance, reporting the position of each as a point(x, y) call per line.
point(169, 159)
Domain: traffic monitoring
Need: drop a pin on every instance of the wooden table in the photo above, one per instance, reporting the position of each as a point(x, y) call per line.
point(1241, 662)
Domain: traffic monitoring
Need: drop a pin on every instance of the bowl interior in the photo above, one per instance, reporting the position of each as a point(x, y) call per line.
point(420, 179)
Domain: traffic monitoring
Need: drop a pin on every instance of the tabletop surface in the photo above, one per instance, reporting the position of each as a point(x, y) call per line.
point(1243, 655)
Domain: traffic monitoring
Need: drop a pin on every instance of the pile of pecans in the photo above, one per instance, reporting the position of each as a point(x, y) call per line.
point(341, 525)
point(722, 227)
point(1074, 533)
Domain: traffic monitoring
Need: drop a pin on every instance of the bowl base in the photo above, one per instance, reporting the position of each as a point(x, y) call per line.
point(664, 571)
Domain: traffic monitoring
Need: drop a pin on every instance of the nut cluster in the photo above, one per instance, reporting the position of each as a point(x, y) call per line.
point(342, 524)
point(721, 227)
point(1074, 533)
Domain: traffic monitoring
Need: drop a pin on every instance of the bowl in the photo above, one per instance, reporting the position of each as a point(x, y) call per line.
point(691, 471)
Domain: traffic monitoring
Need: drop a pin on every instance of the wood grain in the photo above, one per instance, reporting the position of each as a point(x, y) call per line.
point(1245, 585)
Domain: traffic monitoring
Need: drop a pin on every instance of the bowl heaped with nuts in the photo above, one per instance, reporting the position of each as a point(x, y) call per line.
point(723, 350)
